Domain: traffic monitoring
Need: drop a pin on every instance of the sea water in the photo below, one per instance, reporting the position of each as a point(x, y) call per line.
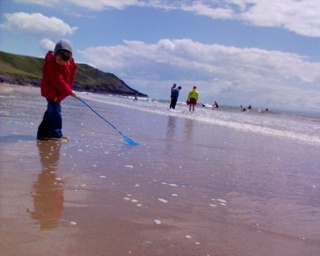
point(298, 126)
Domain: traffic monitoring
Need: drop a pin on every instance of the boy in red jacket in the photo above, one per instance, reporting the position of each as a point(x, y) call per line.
point(57, 81)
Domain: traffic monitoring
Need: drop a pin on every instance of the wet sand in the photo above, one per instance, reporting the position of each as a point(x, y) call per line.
point(187, 189)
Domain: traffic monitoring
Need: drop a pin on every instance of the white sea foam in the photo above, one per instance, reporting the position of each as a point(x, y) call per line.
point(293, 126)
point(162, 200)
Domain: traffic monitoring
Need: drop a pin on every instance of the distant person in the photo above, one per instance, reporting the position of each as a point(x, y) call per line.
point(215, 105)
point(174, 97)
point(57, 81)
point(266, 110)
point(242, 109)
point(172, 88)
point(249, 107)
point(135, 97)
point(193, 97)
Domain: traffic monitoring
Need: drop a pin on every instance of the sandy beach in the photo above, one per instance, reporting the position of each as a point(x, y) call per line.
point(189, 188)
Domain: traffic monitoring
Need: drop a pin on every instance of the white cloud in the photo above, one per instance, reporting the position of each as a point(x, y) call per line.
point(214, 12)
point(229, 73)
point(37, 24)
point(99, 5)
point(47, 45)
point(39, 2)
point(299, 16)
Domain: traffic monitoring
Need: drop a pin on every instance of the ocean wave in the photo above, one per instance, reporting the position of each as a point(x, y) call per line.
point(302, 128)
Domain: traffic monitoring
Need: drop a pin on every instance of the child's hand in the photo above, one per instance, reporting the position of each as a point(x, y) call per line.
point(73, 94)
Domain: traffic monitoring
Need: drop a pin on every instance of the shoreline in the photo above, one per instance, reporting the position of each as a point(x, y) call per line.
point(311, 113)
point(188, 189)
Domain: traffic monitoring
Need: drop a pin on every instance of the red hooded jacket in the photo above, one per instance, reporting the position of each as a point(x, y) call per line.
point(57, 80)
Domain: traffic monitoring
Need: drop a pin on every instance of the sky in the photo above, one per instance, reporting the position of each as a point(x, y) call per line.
point(237, 52)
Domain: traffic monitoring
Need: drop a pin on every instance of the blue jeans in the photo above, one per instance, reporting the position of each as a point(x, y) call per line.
point(51, 125)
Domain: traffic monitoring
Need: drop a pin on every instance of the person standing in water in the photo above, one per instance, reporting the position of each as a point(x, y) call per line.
point(135, 97)
point(193, 97)
point(174, 97)
point(57, 81)
point(172, 88)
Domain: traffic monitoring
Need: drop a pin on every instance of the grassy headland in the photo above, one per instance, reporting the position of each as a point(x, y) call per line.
point(26, 70)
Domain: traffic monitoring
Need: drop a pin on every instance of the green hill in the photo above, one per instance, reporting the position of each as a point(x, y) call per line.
point(26, 70)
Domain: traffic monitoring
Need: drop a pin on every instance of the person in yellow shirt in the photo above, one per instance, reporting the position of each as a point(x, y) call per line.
point(193, 97)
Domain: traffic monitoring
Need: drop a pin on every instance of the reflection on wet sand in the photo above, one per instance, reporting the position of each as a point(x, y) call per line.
point(188, 128)
point(171, 127)
point(47, 191)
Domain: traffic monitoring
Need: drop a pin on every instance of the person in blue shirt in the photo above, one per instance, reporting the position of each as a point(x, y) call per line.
point(174, 97)
point(172, 88)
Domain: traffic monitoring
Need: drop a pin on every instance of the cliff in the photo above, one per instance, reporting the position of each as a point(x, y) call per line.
point(26, 70)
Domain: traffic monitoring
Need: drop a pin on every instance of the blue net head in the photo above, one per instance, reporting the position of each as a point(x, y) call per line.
point(130, 141)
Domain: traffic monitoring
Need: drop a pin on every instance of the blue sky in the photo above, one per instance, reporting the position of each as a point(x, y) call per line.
point(259, 52)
